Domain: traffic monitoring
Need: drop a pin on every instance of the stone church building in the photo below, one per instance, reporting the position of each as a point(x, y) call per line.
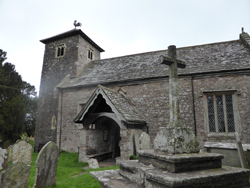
point(92, 105)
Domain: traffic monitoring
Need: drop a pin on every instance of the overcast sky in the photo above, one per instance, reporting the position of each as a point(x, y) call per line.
point(120, 27)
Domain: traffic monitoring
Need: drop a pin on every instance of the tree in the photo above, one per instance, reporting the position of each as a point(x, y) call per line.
point(30, 101)
point(17, 102)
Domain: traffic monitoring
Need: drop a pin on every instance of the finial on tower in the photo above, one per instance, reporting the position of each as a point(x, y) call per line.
point(242, 29)
point(77, 24)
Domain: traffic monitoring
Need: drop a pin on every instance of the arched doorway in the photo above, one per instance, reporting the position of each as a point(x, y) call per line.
point(111, 134)
point(103, 138)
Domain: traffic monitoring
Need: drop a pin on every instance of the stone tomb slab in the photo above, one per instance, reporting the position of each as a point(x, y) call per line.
point(225, 177)
point(180, 162)
point(112, 179)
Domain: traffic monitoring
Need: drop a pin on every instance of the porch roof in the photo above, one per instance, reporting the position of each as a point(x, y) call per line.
point(121, 106)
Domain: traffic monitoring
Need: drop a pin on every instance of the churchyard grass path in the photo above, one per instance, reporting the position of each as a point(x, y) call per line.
point(70, 172)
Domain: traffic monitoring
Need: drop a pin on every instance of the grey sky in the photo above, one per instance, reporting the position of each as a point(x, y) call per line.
point(119, 27)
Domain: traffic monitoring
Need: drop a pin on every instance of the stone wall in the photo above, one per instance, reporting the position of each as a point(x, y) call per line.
point(239, 83)
point(151, 99)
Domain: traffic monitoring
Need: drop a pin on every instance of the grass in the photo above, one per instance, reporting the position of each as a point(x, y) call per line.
point(70, 172)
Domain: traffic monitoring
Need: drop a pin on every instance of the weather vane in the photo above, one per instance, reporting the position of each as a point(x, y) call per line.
point(77, 24)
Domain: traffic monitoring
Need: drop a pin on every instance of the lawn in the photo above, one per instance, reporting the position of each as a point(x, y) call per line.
point(70, 172)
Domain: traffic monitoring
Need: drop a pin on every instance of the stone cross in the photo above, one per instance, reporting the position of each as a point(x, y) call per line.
point(173, 63)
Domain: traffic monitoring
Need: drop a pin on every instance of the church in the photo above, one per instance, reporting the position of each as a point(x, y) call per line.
point(101, 106)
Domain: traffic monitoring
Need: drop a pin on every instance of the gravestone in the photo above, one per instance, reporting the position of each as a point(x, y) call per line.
point(144, 141)
point(10, 153)
point(46, 165)
point(93, 163)
point(22, 152)
point(3, 158)
point(15, 176)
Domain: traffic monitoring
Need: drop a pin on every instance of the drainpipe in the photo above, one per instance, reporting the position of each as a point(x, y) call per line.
point(192, 85)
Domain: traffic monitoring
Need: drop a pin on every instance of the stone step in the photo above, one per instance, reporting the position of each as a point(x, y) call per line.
point(180, 162)
point(112, 179)
point(137, 175)
point(134, 171)
point(225, 177)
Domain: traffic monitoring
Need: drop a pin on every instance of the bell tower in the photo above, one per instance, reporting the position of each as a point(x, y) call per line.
point(65, 54)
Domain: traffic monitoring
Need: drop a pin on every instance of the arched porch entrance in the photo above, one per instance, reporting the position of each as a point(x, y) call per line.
point(103, 137)
point(110, 124)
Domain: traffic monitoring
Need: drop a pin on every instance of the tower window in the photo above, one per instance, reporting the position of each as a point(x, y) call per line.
point(90, 54)
point(60, 50)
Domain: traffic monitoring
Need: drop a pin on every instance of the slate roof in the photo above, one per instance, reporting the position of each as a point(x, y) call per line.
point(216, 57)
point(70, 33)
point(121, 106)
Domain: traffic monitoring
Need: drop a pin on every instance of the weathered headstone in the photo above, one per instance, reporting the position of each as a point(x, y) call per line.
point(10, 153)
point(46, 165)
point(6, 144)
point(144, 141)
point(93, 163)
point(22, 152)
point(3, 158)
point(15, 176)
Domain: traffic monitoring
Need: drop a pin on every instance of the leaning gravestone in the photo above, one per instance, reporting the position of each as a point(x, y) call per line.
point(15, 176)
point(3, 158)
point(144, 141)
point(46, 165)
point(22, 152)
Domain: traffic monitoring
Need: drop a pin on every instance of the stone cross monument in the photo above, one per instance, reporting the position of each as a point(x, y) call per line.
point(174, 120)
point(174, 139)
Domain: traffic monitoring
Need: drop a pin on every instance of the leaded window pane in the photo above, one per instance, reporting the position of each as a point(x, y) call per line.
point(230, 113)
point(211, 117)
point(62, 51)
point(58, 52)
point(220, 113)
